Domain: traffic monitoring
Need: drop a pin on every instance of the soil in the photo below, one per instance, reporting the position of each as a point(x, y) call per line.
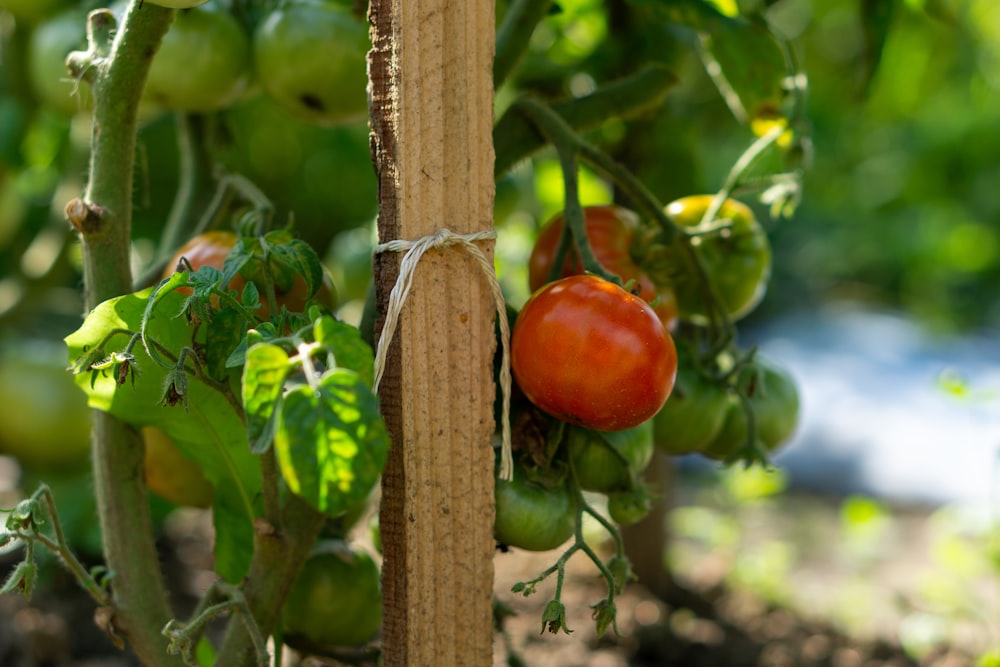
point(699, 621)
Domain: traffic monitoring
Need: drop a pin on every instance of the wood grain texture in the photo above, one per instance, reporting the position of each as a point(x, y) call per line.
point(432, 117)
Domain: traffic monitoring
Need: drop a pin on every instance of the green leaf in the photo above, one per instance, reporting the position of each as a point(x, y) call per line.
point(753, 68)
point(264, 375)
point(349, 350)
point(210, 431)
point(876, 18)
point(516, 138)
point(331, 441)
point(226, 331)
point(699, 14)
point(298, 257)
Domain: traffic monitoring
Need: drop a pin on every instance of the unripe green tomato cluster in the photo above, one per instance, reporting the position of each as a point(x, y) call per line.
point(309, 56)
point(708, 418)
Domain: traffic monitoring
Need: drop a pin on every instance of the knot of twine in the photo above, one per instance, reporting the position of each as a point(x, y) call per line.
point(415, 250)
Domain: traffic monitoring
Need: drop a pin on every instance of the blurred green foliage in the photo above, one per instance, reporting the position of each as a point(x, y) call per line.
point(899, 206)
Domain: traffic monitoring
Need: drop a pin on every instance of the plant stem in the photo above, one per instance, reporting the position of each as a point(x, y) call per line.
point(104, 219)
point(195, 191)
point(517, 138)
point(279, 552)
point(514, 35)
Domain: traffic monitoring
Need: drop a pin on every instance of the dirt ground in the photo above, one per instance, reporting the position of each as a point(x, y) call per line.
point(704, 622)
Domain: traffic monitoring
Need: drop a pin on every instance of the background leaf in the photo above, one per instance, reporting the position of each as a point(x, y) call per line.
point(349, 350)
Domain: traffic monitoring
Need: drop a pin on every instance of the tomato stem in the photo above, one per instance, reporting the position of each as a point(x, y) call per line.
point(195, 190)
point(514, 35)
point(566, 143)
point(139, 596)
point(59, 546)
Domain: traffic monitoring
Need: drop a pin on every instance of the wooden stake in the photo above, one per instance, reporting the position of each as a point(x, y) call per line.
point(432, 116)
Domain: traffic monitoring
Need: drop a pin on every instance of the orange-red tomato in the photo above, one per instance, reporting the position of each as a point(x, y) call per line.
point(172, 476)
point(588, 352)
point(611, 231)
point(212, 248)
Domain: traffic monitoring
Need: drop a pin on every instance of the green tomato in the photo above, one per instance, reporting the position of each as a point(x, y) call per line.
point(335, 600)
point(693, 415)
point(310, 57)
point(46, 422)
point(203, 63)
point(737, 259)
point(629, 507)
point(33, 11)
point(775, 403)
point(536, 515)
point(608, 461)
point(48, 47)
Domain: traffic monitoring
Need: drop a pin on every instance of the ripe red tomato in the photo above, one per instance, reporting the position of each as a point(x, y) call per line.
point(212, 248)
point(611, 231)
point(737, 259)
point(588, 352)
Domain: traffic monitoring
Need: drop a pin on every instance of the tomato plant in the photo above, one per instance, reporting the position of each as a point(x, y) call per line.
point(735, 252)
point(588, 352)
point(535, 513)
point(310, 57)
point(261, 407)
point(335, 600)
point(612, 231)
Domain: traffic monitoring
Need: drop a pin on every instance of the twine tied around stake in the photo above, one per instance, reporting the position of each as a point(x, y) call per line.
point(445, 238)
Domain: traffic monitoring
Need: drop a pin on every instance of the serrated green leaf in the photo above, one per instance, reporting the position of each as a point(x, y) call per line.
point(299, 256)
point(331, 441)
point(349, 350)
point(264, 376)
point(224, 334)
point(210, 432)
